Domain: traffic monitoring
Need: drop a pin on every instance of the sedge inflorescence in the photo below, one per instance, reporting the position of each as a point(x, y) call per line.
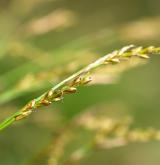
point(82, 77)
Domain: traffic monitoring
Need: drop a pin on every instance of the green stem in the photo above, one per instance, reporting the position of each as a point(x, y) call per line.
point(7, 122)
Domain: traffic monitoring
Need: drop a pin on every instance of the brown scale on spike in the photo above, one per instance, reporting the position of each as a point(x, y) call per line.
point(57, 95)
point(87, 80)
point(30, 105)
point(23, 115)
point(112, 61)
point(50, 94)
point(67, 90)
point(77, 81)
point(45, 102)
point(144, 56)
point(58, 99)
point(19, 117)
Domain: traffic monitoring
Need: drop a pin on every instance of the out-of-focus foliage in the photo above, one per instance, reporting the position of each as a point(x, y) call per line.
point(44, 41)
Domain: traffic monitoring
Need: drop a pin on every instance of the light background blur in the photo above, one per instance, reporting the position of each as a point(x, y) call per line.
point(44, 41)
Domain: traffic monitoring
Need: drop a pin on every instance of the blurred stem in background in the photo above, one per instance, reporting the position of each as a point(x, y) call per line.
point(104, 133)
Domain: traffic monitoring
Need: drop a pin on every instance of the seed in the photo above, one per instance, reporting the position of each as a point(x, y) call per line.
point(144, 56)
point(27, 113)
point(45, 102)
point(87, 80)
point(137, 50)
point(31, 104)
point(115, 60)
point(50, 94)
point(19, 117)
point(23, 115)
point(58, 93)
point(58, 99)
point(70, 90)
point(77, 81)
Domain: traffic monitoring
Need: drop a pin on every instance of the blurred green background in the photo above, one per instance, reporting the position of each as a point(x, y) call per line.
point(44, 41)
